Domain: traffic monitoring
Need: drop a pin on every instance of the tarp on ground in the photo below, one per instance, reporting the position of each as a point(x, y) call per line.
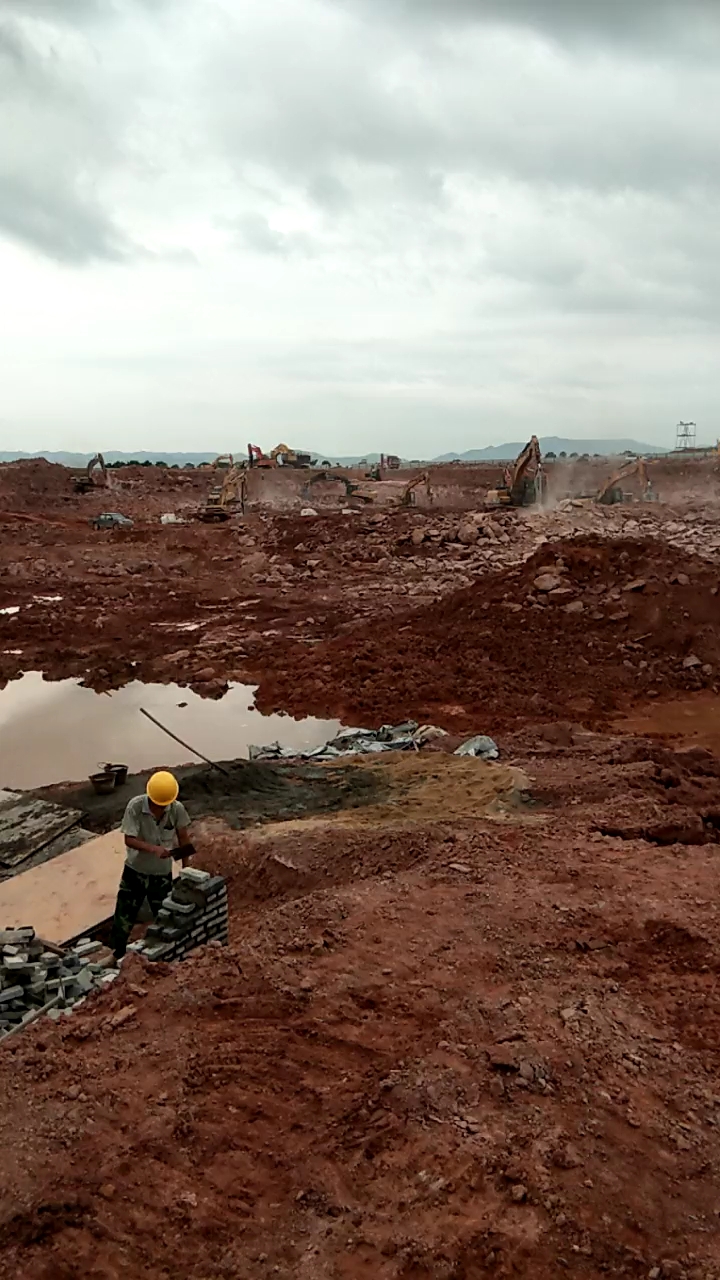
point(408, 736)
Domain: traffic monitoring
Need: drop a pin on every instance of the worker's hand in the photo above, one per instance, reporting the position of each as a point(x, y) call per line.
point(184, 853)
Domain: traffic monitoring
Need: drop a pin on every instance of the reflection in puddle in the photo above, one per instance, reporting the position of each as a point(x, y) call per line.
point(56, 731)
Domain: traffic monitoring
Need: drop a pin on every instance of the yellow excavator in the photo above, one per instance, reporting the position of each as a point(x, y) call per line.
point(407, 498)
point(223, 499)
point(93, 476)
point(387, 493)
point(524, 482)
point(283, 456)
point(612, 492)
point(224, 461)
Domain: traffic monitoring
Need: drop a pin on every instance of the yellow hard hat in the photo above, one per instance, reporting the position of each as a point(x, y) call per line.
point(162, 788)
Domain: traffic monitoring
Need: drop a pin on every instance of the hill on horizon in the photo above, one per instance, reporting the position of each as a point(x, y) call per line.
point(491, 453)
point(68, 459)
point(552, 444)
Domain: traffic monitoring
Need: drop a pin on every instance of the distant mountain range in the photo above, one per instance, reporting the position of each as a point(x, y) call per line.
point(492, 453)
point(552, 444)
point(81, 459)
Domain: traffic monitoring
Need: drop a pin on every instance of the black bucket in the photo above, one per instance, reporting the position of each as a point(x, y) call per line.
point(119, 773)
point(103, 783)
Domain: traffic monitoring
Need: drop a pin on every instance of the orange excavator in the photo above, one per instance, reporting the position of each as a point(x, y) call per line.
point(524, 482)
point(612, 492)
point(256, 457)
point(281, 456)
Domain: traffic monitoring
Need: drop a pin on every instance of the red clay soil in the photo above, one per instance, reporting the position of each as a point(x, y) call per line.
point(502, 652)
point(317, 611)
point(83, 596)
point(486, 1050)
point(48, 489)
point(34, 486)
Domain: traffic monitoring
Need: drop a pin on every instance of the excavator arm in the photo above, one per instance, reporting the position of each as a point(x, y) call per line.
point(97, 464)
point(609, 493)
point(93, 477)
point(406, 497)
point(528, 465)
point(256, 457)
point(523, 482)
point(220, 499)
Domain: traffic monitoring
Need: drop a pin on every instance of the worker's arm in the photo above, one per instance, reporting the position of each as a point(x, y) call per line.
point(134, 842)
point(183, 836)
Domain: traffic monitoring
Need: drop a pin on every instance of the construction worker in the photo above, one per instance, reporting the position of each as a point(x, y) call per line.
point(155, 827)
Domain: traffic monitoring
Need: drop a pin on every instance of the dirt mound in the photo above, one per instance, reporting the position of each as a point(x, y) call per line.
point(34, 486)
point(47, 489)
point(578, 630)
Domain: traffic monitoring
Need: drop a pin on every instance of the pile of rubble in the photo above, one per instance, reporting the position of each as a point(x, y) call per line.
point(35, 980)
point(577, 629)
point(428, 554)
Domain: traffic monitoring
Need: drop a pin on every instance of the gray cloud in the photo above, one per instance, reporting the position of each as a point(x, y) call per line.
point(75, 12)
point(59, 142)
point(61, 224)
point(442, 196)
point(648, 23)
point(363, 98)
point(256, 233)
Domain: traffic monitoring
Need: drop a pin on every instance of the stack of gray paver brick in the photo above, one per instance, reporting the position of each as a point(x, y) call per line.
point(31, 977)
point(195, 912)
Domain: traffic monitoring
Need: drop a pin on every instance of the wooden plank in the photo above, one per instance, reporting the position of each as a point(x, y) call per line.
point(69, 895)
point(27, 824)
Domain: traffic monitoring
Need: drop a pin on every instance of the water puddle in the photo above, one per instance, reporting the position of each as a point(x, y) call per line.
point(57, 731)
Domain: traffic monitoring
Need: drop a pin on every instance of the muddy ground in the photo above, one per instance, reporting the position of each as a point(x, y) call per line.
point(309, 609)
point(240, 793)
point(465, 1047)
point(468, 1023)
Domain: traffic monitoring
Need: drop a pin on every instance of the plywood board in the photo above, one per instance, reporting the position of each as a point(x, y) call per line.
point(27, 824)
point(69, 895)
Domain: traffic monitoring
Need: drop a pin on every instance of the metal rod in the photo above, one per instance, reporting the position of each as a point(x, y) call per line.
point(186, 745)
point(30, 1018)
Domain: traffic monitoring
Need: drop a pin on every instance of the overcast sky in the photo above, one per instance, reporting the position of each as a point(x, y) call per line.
point(410, 225)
